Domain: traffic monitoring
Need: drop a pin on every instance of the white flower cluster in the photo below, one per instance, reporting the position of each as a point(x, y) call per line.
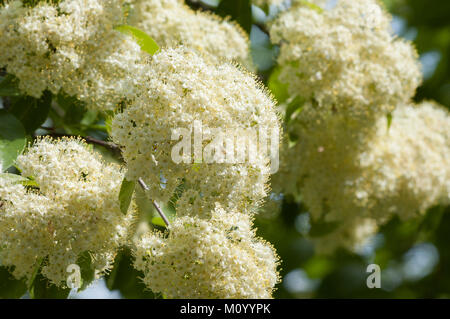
point(75, 210)
point(70, 47)
point(171, 23)
point(401, 169)
point(345, 161)
point(219, 258)
point(410, 162)
point(210, 251)
point(345, 58)
point(182, 88)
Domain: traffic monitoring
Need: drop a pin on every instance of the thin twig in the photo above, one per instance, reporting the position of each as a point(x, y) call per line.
point(155, 204)
point(89, 139)
point(110, 145)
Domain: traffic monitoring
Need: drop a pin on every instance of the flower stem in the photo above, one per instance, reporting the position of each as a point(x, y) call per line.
point(155, 204)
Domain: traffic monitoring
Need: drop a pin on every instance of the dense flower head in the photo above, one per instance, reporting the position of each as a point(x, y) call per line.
point(75, 210)
point(183, 89)
point(218, 258)
point(399, 169)
point(345, 58)
point(410, 161)
point(171, 23)
point(70, 47)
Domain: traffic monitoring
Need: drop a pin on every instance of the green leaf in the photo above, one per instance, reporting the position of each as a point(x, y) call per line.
point(87, 270)
point(293, 107)
point(30, 111)
point(146, 43)
point(9, 86)
point(108, 124)
point(158, 221)
point(125, 195)
point(74, 109)
point(10, 288)
point(125, 278)
point(35, 272)
point(12, 139)
point(278, 89)
point(239, 11)
point(30, 182)
point(41, 288)
point(111, 278)
point(311, 5)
